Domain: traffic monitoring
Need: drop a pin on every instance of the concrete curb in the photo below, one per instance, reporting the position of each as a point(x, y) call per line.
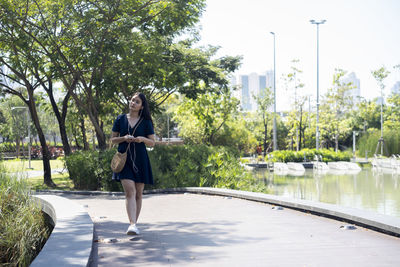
point(70, 243)
point(375, 221)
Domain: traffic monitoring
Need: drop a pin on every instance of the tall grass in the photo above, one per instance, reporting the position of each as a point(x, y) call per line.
point(368, 142)
point(23, 227)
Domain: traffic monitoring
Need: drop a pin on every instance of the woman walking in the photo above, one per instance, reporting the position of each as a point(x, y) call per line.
point(133, 132)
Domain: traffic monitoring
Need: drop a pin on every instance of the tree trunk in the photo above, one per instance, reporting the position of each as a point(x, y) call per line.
point(92, 112)
point(17, 147)
point(45, 150)
point(75, 135)
point(23, 148)
point(60, 117)
point(336, 142)
point(84, 138)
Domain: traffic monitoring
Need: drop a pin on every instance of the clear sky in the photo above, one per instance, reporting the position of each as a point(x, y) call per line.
point(358, 36)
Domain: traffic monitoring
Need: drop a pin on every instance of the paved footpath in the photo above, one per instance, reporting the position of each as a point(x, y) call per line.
point(200, 230)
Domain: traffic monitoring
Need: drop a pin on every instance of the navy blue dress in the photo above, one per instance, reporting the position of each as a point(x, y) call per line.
point(137, 166)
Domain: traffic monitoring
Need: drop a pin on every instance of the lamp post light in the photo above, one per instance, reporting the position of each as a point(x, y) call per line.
point(275, 146)
point(317, 126)
point(29, 132)
point(355, 133)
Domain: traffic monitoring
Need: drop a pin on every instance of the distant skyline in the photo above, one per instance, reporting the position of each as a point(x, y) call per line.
point(359, 36)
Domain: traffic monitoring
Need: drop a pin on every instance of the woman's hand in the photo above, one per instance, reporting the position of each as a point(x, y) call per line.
point(129, 138)
point(139, 139)
point(148, 141)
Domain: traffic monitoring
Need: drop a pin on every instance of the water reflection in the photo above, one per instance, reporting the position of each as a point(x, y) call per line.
point(366, 189)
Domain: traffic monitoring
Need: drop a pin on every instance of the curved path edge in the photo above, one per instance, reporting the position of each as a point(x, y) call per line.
point(375, 221)
point(70, 242)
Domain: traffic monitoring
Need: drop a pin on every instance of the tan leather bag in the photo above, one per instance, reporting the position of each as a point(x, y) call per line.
point(118, 161)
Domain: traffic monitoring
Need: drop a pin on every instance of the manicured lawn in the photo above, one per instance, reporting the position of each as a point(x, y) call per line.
point(17, 165)
point(62, 181)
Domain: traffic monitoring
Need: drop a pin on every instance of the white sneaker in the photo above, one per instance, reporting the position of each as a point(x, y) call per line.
point(132, 230)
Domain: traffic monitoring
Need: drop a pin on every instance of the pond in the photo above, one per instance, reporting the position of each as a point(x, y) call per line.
point(367, 189)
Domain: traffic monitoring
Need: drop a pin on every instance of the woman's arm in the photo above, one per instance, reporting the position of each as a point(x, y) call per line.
point(116, 139)
point(150, 140)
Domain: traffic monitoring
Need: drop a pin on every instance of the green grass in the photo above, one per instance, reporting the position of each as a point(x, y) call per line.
point(18, 165)
point(62, 181)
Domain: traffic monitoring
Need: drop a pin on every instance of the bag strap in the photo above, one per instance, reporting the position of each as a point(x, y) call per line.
point(134, 130)
point(136, 126)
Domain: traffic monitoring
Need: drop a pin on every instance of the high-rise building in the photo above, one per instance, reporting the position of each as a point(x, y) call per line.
point(252, 85)
point(355, 93)
point(396, 88)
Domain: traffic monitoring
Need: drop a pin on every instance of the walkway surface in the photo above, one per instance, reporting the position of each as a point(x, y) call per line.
point(201, 230)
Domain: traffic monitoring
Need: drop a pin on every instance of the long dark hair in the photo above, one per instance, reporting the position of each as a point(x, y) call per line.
point(145, 113)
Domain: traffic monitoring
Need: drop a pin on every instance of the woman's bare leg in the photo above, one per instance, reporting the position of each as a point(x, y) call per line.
point(139, 194)
point(130, 199)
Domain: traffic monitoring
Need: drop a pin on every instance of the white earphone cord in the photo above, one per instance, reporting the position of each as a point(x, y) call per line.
point(135, 169)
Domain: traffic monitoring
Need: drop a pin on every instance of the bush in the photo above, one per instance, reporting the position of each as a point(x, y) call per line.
point(199, 165)
point(173, 166)
point(23, 228)
point(308, 155)
point(8, 147)
point(90, 170)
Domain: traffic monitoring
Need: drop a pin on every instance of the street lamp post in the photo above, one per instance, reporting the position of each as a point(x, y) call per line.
point(29, 132)
point(317, 126)
point(274, 125)
point(355, 133)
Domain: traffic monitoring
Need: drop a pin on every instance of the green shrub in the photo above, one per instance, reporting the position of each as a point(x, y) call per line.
point(199, 165)
point(308, 155)
point(90, 170)
point(173, 166)
point(23, 228)
point(224, 171)
point(180, 166)
point(8, 147)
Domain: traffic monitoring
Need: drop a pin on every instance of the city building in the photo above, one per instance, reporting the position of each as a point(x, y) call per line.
point(380, 100)
point(250, 86)
point(355, 93)
point(396, 88)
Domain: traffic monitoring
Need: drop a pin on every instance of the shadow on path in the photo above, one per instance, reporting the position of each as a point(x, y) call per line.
point(166, 242)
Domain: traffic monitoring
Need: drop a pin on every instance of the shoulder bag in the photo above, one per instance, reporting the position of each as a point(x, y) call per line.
point(119, 159)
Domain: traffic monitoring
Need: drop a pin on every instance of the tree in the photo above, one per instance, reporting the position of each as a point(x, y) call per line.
point(109, 49)
point(365, 115)
point(264, 102)
point(380, 75)
point(88, 40)
point(14, 120)
point(163, 120)
point(392, 120)
point(335, 110)
point(294, 83)
point(16, 54)
point(200, 120)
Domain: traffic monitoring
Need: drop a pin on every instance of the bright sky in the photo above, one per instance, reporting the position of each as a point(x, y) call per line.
point(358, 36)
